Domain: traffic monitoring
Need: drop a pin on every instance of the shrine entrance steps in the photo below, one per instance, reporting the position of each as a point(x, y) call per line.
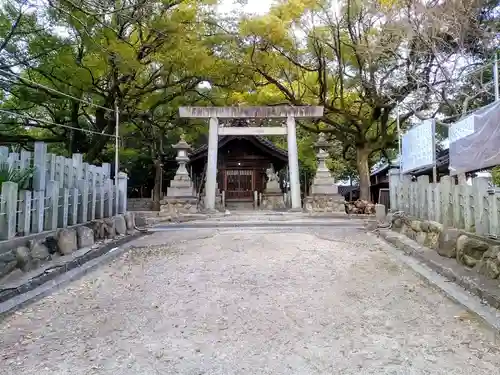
point(240, 205)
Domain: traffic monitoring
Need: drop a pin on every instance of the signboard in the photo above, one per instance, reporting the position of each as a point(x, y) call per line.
point(418, 147)
point(235, 130)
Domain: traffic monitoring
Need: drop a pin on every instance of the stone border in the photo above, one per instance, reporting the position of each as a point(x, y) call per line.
point(477, 284)
point(441, 276)
point(40, 286)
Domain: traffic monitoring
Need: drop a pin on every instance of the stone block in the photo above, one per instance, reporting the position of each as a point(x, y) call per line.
point(431, 240)
point(397, 223)
point(39, 252)
point(51, 244)
point(325, 203)
point(23, 257)
point(470, 250)
point(8, 263)
point(447, 246)
point(435, 227)
point(129, 220)
point(66, 241)
point(140, 221)
point(415, 225)
point(489, 265)
point(109, 227)
point(380, 213)
point(272, 201)
point(84, 237)
point(97, 227)
point(424, 226)
point(120, 225)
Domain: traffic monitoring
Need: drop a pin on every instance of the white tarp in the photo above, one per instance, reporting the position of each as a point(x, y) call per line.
point(418, 147)
point(475, 141)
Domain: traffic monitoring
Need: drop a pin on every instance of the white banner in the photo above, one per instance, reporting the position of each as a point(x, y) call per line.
point(418, 147)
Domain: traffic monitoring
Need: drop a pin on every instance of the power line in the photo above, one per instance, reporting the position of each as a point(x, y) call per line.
point(55, 124)
point(51, 89)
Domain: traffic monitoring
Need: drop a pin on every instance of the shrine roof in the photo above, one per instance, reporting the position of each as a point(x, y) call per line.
point(261, 142)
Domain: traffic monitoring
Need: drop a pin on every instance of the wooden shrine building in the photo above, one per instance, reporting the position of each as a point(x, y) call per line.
point(242, 162)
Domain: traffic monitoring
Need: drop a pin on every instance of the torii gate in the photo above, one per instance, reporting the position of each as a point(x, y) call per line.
point(214, 113)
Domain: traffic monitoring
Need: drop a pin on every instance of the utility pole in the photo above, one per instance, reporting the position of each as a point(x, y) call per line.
point(495, 78)
point(117, 157)
point(115, 89)
point(399, 143)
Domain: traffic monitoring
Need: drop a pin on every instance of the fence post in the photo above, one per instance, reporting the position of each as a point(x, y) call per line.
point(13, 160)
point(106, 171)
point(393, 188)
point(50, 169)
point(40, 165)
point(24, 214)
point(69, 181)
point(437, 203)
point(8, 210)
point(411, 199)
point(481, 218)
point(446, 213)
point(405, 193)
point(62, 217)
point(60, 168)
point(468, 208)
point(77, 165)
point(122, 192)
point(73, 206)
point(52, 207)
point(92, 191)
point(4, 154)
point(423, 185)
point(494, 217)
point(83, 201)
point(108, 207)
point(38, 211)
point(25, 159)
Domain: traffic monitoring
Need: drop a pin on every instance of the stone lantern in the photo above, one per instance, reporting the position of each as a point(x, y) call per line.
point(324, 195)
point(182, 158)
point(323, 182)
point(181, 185)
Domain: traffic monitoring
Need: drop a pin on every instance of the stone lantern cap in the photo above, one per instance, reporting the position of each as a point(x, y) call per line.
point(321, 142)
point(182, 144)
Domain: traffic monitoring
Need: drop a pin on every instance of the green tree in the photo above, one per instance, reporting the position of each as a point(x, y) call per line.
point(359, 60)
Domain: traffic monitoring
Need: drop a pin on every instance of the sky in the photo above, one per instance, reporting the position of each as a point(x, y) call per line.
point(252, 6)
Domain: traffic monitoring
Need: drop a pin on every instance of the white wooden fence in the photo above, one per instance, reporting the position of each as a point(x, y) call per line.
point(473, 208)
point(65, 191)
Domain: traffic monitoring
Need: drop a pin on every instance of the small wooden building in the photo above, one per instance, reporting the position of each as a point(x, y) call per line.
point(242, 162)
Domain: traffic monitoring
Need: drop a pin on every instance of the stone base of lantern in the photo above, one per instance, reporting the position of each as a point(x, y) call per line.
point(334, 203)
point(272, 201)
point(175, 206)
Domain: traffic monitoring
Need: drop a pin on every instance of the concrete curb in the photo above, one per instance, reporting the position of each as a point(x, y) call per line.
point(258, 224)
point(42, 286)
point(475, 284)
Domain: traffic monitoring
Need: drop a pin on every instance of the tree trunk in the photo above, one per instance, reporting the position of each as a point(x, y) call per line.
point(157, 185)
point(362, 156)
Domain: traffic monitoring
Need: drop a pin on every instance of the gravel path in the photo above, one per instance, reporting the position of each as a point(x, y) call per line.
point(242, 301)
